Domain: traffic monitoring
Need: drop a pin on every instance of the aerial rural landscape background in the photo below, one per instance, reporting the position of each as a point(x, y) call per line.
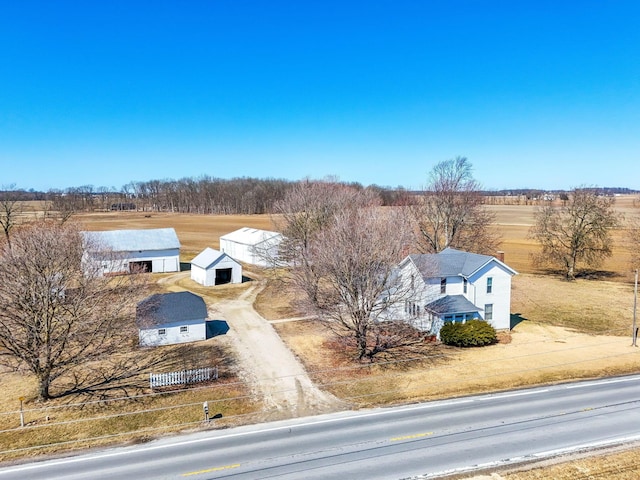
point(205, 117)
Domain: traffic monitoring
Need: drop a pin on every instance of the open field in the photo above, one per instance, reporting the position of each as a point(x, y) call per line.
point(561, 331)
point(514, 221)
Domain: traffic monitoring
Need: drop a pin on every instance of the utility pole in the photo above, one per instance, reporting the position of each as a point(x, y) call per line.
point(634, 335)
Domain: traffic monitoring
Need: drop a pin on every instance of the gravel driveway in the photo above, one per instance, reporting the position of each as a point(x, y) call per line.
point(267, 363)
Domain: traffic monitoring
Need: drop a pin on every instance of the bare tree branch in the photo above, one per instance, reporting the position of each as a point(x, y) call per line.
point(451, 213)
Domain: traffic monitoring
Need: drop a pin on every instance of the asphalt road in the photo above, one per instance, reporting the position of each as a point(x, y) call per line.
point(427, 439)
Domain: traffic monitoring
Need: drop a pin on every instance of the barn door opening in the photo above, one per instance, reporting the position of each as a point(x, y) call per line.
point(223, 275)
point(140, 267)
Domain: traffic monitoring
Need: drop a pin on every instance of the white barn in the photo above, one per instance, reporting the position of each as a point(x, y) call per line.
point(169, 318)
point(123, 251)
point(252, 245)
point(211, 267)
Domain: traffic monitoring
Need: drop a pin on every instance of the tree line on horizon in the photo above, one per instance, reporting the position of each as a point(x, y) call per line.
point(202, 195)
point(242, 195)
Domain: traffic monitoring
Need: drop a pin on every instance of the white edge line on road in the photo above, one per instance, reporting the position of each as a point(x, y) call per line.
point(529, 457)
point(603, 382)
point(509, 395)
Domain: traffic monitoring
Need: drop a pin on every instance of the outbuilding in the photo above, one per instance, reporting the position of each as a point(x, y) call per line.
point(252, 245)
point(126, 251)
point(169, 318)
point(211, 267)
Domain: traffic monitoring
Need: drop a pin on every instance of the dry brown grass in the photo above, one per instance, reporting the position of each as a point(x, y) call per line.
point(545, 347)
point(612, 466)
point(128, 410)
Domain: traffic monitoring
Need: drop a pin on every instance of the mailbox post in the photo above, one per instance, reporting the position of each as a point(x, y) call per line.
point(205, 407)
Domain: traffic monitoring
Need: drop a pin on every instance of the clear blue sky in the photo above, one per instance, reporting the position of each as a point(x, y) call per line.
point(537, 94)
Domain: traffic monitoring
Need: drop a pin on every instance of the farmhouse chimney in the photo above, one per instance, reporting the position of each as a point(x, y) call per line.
point(500, 255)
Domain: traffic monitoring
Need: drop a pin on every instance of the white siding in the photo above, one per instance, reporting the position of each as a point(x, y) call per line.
point(207, 276)
point(196, 331)
point(500, 296)
point(250, 245)
point(162, 261)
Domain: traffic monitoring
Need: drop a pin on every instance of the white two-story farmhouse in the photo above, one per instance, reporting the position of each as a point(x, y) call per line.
point(454, 286)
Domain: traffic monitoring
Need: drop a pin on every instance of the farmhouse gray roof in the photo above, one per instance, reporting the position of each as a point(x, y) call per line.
point(208, 257)
point(452, 304)
point(450, 262)
point(135, 240)
point(164, 308)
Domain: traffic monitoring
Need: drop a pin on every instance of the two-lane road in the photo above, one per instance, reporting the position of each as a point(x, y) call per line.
point(391, 443)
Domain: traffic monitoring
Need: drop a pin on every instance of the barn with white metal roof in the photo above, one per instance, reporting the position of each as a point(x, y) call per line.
point(252, 245)
point(125, 251)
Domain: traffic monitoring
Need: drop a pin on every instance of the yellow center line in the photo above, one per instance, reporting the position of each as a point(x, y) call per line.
point(214, 469)
point(410, 437)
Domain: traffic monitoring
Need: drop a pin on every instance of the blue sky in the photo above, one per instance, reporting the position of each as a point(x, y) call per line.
point(537, 94)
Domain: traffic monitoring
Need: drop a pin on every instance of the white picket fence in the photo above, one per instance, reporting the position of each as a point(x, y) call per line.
point(183, 377)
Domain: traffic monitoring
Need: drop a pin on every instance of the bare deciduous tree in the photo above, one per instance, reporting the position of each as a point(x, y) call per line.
point(579, 232)
point(307, 208)
point(10, 211)
point(355, 258)
point(451, 212)
point(59, 312)
point(344, 249)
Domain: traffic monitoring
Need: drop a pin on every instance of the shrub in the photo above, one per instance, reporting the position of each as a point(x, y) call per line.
point(473, 333)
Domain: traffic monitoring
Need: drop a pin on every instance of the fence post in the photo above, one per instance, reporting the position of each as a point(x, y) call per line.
point(21, 412)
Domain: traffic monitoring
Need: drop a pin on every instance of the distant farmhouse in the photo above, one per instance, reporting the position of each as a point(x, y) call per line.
point(252, 245)
point(169, 318)
point(211, 267)
point(125, 251)
point(455, 286)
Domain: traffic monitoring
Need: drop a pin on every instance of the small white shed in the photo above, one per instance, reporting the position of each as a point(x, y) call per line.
point(211, 267)
point(169, 318)
point(252, 245)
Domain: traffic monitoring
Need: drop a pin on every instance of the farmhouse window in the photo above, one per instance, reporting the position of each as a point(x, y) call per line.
point(465, 282)
point(489, 284)
point(488, 312)
point(184, 329)
point(162, 331)
point(443, 285)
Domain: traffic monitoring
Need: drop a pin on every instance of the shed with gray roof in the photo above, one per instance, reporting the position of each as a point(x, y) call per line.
point(169, 318)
